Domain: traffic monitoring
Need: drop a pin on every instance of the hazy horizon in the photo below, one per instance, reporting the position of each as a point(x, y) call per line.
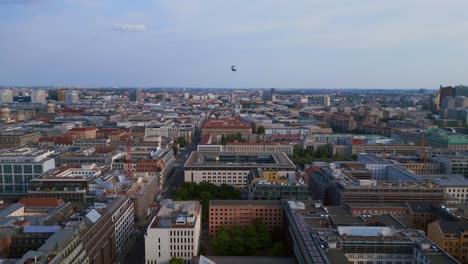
point(281, 44)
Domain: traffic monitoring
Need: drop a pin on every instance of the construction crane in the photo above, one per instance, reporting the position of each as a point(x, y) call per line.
point(129, 154)
point(423, 152)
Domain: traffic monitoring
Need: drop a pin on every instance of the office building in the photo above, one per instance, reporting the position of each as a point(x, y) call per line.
point(312, 240)
point(246, 147)
point(38, 96)
point(243, 213)
point(455, 164)
point(268, 185)
point(326, 101)
point(232, 169)
point(15, 139)
point(100, 155)
point(135, 95)
point(72, 98)
point(72, 183)
point(174, 232)
point(6, 96)
point(20, 166)
point(62, 95)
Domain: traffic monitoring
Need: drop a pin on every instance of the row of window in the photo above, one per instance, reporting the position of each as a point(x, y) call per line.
point(181, 240)
point(181, 233)
point(224, 173)
point(246, 209)
point(15, 178)
point(21, 168)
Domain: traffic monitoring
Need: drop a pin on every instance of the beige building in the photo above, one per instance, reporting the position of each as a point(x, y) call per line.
point(452, 237)
point(83, 132)
point(217, 128)
point(18, 139)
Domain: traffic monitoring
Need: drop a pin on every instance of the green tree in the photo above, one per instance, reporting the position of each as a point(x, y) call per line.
point(205, 192)
point(175, 260)
point(260, 130)
point(181, 141)
point(251, 240)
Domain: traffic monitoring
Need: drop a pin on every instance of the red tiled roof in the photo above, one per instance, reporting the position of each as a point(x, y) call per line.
point(357, 142)
point(311, 169)
point(229, 123)
point(41, 202)
point(105, 149)
point(82, 129)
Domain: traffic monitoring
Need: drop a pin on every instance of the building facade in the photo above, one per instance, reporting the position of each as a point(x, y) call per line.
point(243, 213)
point(20, 166)
point(174, 232)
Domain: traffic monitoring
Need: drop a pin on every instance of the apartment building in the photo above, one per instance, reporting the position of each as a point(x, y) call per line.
point(452, 237)
point(217, 128)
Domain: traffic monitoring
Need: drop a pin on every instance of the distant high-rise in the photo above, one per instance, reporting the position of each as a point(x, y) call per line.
point(450, 91)
point(38, 96)
point(269, 95)
point(6, 96)
point(435, 106)
point(135, 95)
point(72, 98)
point(326, 101)
point(62, 95)
point(53, 95)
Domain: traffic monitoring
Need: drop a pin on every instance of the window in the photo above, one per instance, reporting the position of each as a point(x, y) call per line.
point(18, 179)
point(37, 169)
point(7, 169)
point(18, 168)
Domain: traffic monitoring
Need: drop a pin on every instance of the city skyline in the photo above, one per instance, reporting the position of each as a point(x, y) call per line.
point(194, 44)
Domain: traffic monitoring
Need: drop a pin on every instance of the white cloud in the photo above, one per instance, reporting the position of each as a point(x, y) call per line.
point(129, 27)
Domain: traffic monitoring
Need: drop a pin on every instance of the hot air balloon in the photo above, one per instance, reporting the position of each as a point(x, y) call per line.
point(233, 68)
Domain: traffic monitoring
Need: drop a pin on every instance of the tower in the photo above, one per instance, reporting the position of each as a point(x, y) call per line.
point(50, 108)
point(6, 96)
point(38, 96)
point(4, 113)
point(72, 98)
point(326, 101)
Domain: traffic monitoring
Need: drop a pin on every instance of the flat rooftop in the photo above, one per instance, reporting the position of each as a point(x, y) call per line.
point(245, 202)
point(177, 214)
point(23, 152)
point(238, 161)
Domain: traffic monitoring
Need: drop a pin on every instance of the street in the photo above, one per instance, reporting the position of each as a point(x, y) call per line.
point(137, 254)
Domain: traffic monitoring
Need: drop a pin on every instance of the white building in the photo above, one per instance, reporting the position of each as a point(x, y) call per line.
point(174, 232)
point(232, 168)
point(375, 164)
point(38, 96)
point(124, 223)
point(326, 101)
point(72, 98)
point(20, 166)
point(6, 96)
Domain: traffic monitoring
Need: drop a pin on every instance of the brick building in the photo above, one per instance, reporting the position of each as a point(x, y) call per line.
point(243, 212)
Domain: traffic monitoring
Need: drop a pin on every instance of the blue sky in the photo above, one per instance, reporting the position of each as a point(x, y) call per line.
point(193, 43)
